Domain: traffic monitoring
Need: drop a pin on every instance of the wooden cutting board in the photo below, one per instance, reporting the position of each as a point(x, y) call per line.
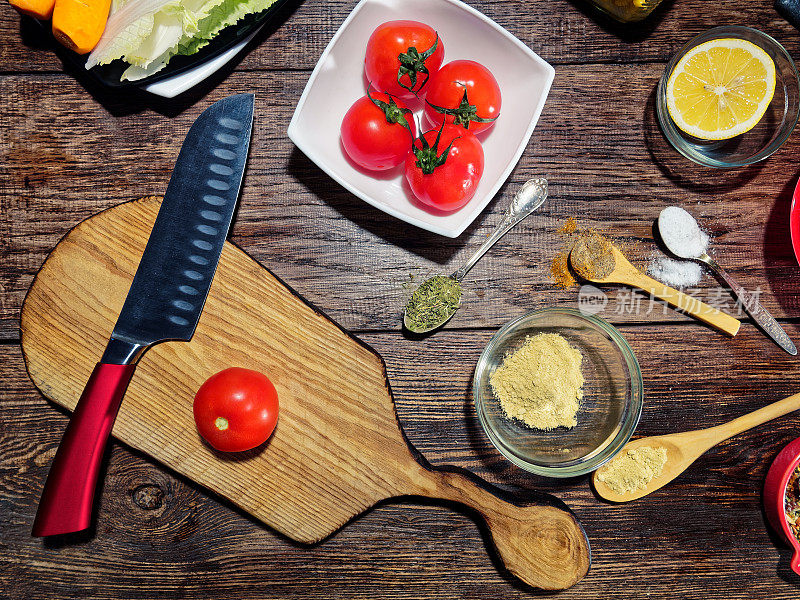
point(338, 448)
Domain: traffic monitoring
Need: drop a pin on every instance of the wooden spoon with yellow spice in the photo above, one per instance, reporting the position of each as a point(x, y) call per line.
point(621, 482)
point(597, 260)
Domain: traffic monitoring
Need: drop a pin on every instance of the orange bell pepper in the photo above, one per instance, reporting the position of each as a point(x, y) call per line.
point(38, 9)
point(79, 24)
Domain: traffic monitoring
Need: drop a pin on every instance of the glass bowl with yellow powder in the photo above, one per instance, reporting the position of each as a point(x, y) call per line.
point(557, 392)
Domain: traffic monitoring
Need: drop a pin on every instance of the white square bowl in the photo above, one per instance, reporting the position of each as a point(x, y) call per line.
point(338, 81)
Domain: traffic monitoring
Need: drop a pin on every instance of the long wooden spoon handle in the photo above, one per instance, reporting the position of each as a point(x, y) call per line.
point(539, 541)
point(700, 310)
point(755, 418)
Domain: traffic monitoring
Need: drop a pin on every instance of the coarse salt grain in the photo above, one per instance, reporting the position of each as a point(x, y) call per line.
point(684, 238)
point(675, 273)
point(681, 233)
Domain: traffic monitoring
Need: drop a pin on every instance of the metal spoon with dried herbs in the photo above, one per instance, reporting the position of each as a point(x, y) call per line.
point(438, 298)
point(432, 303)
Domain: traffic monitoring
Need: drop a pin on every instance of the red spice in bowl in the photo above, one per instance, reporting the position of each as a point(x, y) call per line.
point(791, 502)
point(776, 487)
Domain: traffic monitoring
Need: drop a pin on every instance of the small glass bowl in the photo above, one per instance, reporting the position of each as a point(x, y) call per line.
point(611, 405)
point(771, 131)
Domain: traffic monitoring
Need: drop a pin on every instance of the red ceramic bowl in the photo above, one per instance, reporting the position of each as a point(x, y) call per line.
point(794, 221)
point(775, 492)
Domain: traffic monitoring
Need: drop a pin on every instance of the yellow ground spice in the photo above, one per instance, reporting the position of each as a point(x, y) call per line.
point(569, 226)
point(571, 233)
point(560, 269)
point(541, 384)
point(633, 469)
point(592, 257)
point(560, 272)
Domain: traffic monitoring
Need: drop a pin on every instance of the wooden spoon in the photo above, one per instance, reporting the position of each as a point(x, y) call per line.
point(625, 273)
point(685, 448)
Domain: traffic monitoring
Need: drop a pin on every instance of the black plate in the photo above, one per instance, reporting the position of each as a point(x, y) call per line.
point(109, 75)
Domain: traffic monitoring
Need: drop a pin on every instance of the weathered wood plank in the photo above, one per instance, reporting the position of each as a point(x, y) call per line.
point(707, 525)
point(68, 151)
point(63, 160)
point(561, 31)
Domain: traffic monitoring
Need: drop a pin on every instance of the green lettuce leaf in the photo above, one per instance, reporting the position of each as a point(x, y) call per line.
point(161, 29)
point(221, 16)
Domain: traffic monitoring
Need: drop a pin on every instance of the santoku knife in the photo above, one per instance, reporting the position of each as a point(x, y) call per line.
point(164, 301)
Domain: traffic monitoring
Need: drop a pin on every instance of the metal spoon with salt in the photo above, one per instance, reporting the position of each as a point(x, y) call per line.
point(443, 303)
point(684, 238)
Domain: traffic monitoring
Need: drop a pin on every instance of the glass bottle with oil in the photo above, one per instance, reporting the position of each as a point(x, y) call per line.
point(627, 11)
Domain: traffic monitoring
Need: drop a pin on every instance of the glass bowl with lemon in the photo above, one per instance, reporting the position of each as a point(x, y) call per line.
point(729, 98)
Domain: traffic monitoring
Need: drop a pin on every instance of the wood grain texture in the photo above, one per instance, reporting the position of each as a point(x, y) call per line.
point(685, 447)
point(705, 526)
point(338, 449)
point(611, 168)
point(561, 31)
point(69, 150)
point(626, 274)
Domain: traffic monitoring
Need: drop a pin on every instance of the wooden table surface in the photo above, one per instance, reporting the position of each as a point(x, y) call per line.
point(69, 149)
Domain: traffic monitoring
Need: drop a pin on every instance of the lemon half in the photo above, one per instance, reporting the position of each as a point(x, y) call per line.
point(721, 88)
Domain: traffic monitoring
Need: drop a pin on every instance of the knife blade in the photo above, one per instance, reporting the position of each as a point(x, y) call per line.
point(164, 302)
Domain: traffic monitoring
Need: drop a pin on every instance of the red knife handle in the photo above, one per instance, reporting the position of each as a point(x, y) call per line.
point(66, 502)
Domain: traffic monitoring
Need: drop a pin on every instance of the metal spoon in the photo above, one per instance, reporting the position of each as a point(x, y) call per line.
point(749, 301)
point(528, 198)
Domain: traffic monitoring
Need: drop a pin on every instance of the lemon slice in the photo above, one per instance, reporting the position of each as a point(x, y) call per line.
point(721, 88)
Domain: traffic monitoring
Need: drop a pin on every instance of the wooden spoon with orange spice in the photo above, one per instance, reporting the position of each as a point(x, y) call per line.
point(597, 260)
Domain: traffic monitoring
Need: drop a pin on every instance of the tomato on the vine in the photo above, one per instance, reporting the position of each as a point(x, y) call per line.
point(445, 167)
point(463, 92)
point(402, 56)
point(377, 131)
point(236, 409)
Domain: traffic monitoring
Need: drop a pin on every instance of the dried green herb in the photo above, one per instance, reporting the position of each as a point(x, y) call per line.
point(433, 303)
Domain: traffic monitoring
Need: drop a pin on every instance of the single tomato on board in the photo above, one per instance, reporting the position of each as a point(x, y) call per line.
point(463, 92)
point(236, 409)
point(402, 56)
point(377, 131)
point(445, 168)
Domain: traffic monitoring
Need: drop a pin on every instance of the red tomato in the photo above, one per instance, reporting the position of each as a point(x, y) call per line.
point(401, 56)
point(236, 409)
point(465, 93)
point(377, 131)
point(444, 174)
